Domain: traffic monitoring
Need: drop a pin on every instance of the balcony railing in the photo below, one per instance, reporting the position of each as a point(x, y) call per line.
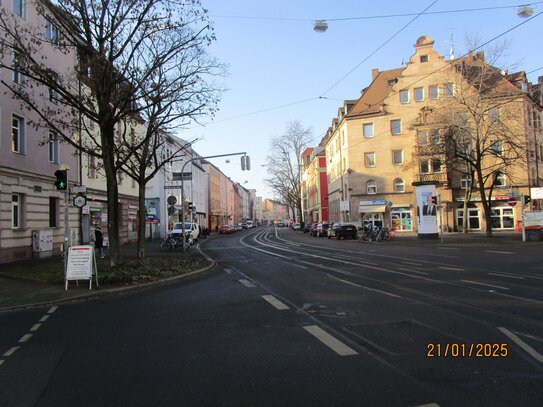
point(436, 176)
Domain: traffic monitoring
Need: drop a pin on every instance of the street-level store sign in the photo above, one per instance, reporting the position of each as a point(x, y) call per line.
point(81, 264)
point(536, 192)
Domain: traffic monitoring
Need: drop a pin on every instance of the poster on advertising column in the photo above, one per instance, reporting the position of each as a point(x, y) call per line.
point(427, 212)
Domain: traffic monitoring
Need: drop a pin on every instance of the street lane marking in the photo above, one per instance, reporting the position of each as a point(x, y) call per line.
point(297, 265)
point(364, 287)
point(35, 327)
point(531, 351)
point(506, 275)
point(498, 252)
point(25, 338)
point(413, 271)
point(52, 309)
point(485, 284)
point(1, 362)
point(228, 271)
point(429, 405)
point(337, 346)
point(247, 283)
point(409, 263)
point(275, 302)
point(451, 268)
point(11, 351)
point(44, 318)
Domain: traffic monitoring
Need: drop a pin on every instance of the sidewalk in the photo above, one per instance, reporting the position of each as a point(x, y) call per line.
point(17, 294)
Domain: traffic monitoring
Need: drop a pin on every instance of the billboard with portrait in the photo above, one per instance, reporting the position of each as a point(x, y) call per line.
point(427, 211)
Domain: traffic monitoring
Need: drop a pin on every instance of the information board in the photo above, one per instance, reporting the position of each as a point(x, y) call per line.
point(81, 264)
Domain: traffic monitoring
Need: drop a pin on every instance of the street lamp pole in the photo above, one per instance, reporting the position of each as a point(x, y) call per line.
point(183, 233)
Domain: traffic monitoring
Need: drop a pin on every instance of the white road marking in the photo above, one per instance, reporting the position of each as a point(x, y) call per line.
point(447, 248)
point(275, 302)
point(297, 265)
point(11, 351)
point(337, 346)
point(52, 309)
point(429, 405)
point(1, 362)
point(451, 268)
point(485, 284)
point(35, 327)
point(413, 271)
point(531, 351)
point(44, 318)
point(364, 287)
point(25, 338)
point(411, 263)
point(506, 275)
point(247, 283)
point(498, 252)
point(228, 271)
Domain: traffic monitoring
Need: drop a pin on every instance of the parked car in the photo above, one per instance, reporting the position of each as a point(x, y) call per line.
point(250, 224)
point(239, 226)
point(340, 230)
point(313, 229)
point(322, 229)
point(307, 226)
point(189, 228)
point(226, 229)
point(296, 226)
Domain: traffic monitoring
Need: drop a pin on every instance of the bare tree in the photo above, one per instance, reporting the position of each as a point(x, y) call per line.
point(131, 54)
point(478, 133)
point(284, 164)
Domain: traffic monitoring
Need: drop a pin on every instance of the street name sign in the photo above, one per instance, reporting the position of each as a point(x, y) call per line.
point(79, 189)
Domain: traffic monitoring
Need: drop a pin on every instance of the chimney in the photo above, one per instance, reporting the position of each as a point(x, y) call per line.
point(480, 55)
point(374, 73)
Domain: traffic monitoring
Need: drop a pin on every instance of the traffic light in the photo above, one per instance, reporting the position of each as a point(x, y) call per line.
point(245, 163)
point(434, 199)
point(62, 180)
point(527, 199)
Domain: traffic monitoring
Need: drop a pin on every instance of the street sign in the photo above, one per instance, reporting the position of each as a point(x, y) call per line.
point(536, 192)
point(389, 204)
point(81, 189)
point(181, 176)
point(172, 200)
point(80, 201)
point(512, 201)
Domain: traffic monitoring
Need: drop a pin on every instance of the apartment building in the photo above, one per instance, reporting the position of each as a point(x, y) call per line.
point(314, 186)
point(379, 147)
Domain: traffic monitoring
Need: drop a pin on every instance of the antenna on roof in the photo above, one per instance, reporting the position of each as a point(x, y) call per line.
point(451, 51)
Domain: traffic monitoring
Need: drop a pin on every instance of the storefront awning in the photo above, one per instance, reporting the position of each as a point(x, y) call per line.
point(371, 208)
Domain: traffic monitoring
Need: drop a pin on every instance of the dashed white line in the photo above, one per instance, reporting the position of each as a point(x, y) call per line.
point(498, 252)
point(275, 302)
point(485, 284)
point(429, 405)
point(531, 351)
point(337, 346)
point(35, 327)
point(1, 362)
point(411, 263)
point(247, 283)
point(364, 287)
point(11, 351)
point(44, 318)
point(451, 268)
point(25, 338)
point(297, 265)
point(413, 271)
point(228, 271)
point(506, 275)
point(52, 309)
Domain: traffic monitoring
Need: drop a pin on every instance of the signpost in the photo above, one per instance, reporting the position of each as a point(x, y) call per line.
point(512, 201)
point(80, 201)
point(81, 265)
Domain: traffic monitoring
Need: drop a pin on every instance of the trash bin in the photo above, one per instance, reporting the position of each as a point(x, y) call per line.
point(534, 233)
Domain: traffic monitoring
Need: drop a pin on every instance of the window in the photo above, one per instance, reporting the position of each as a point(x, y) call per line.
point(53, 147)
point(53, 91)
point(497, 148)
point(371, 186)
point(424, 58)
point(404, 96)
point(425, 167)
point(396, 126)
point(368, 130)
point(500, 180)
point(91, 170)
point(397, 157)
point(473, 219)
point(494, 115)
point(399, 185)
point(401, 219)
point(16, 73)
point(436, 165)
point(53, 212)
point(435, 136)
point(16, 211)
point(433, 92)
point(18, 134)
point(449, 90)
point(465, 182)
point(52, 33)
point(422, 136)
point(19, 8)
point(369, 159)
point(419, 94)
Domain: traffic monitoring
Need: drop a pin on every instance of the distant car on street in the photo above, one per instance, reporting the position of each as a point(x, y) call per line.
point(189, 228)
point(226, 229)
point(296, 226)
point(313, 229)
point(322, 229)
point(340, 230)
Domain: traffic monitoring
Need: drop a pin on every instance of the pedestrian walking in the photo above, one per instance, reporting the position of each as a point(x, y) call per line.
point(99, 241)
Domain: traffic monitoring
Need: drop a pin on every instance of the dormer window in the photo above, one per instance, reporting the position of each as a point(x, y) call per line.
point(423, 58)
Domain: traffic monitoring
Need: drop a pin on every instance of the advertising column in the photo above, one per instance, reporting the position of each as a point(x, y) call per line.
point(427, 212)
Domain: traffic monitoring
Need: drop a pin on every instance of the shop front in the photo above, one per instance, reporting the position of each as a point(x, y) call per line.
point(372, 213)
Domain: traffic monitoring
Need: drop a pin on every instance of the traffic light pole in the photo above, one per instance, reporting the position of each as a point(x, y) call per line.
point(183, 234)
point(522, 200)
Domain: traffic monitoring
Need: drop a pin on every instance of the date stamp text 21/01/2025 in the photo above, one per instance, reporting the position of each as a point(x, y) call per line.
point(460, 350)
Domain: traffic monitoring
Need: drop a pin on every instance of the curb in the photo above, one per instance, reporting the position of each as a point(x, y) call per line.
point(114, 290)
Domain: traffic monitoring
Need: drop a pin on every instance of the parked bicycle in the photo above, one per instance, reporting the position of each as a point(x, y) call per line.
point(171, 242)
point(373, 233)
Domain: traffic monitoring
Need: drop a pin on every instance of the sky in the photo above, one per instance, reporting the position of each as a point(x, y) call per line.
point(280, 69)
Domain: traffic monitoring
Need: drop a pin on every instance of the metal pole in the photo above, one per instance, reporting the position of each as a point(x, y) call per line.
point(522, 217)
point(66, 228)
point(440, 216)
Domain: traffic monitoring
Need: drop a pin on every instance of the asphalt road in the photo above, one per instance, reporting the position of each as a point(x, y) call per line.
point(288, 319)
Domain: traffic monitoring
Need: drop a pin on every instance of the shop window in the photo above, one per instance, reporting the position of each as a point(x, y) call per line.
point(401, 219)
point(373, 220)
point(473, 219)
point(502, 218)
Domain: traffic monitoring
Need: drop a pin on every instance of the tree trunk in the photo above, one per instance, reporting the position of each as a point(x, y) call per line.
point(141, 220)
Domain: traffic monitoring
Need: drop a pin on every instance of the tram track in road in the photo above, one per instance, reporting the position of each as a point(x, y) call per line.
point(410, 293)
